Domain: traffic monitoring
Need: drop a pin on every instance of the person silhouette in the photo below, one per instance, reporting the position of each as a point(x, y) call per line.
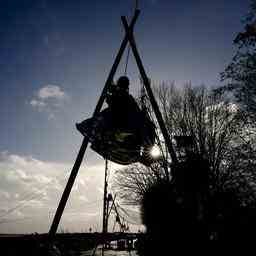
point(122, 106)
point(120, 130)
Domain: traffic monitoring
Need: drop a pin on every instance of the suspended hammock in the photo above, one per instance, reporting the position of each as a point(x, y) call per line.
point(122, 133)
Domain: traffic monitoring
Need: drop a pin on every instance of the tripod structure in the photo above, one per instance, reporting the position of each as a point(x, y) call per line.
point(128, 38)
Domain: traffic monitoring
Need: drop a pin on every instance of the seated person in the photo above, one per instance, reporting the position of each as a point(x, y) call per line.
point(121, 129)
point(123, 107)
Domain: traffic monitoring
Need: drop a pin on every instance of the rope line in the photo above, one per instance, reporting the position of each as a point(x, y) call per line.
point(127, 60)
point(136, 4)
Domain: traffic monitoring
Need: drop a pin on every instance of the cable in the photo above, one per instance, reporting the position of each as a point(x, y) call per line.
point(127, 60)
point(129, 221)
point(126, 211)
point(142, 97)
point(128, 215)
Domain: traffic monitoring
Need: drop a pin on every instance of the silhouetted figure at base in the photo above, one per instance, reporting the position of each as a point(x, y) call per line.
point(121, 132)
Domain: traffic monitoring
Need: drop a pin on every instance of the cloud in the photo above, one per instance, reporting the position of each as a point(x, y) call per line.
point(37, 103)
point(83, 198)
point(31, 189)
point(51, 91)
point(49, 99)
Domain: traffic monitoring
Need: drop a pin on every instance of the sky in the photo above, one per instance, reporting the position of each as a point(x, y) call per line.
point(54, 59)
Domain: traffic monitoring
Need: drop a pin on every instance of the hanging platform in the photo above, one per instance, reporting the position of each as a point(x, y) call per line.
point(122, 139)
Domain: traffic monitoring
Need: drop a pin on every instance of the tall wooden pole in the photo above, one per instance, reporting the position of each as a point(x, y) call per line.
point(80, 156)
point(105, 195)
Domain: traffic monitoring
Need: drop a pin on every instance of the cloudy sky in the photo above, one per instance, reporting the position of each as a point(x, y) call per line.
point(54, 59)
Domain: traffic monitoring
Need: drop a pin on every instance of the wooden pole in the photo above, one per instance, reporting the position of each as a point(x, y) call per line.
point(105, 195)
point(153, 102)
point(80, 156)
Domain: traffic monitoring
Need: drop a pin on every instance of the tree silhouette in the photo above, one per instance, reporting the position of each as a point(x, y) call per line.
point(240, 74)
point(216, 128)
point(213, 190)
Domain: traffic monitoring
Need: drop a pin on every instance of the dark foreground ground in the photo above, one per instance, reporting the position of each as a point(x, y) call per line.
point(36, 245)
point(64, 244)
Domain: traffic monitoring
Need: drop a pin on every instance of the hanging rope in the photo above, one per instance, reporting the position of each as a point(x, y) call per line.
point(127, 60)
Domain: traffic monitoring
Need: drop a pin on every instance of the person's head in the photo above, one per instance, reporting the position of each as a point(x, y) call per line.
point(123, 83)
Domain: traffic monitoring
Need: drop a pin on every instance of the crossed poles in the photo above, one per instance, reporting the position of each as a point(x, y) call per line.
point(129, 37)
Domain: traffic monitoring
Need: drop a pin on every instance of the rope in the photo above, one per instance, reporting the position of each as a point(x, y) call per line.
point(127, 60)
point(130, 219)
point(136, 4)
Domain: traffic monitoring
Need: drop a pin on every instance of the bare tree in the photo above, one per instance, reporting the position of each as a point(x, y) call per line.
point(240, 75)
point(133, 181)
point(215, 128)
point(208, 120)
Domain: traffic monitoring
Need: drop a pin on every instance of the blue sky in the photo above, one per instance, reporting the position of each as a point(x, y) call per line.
point(55, 57)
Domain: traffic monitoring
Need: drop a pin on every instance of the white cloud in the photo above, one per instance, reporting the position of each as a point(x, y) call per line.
point(101, 190)
point(4, 194)
point(32, 188)
point(51, 91)
point(51, 116)
point(22, 175)
point(37, 103)
point(49, 99)
point(83, 198)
